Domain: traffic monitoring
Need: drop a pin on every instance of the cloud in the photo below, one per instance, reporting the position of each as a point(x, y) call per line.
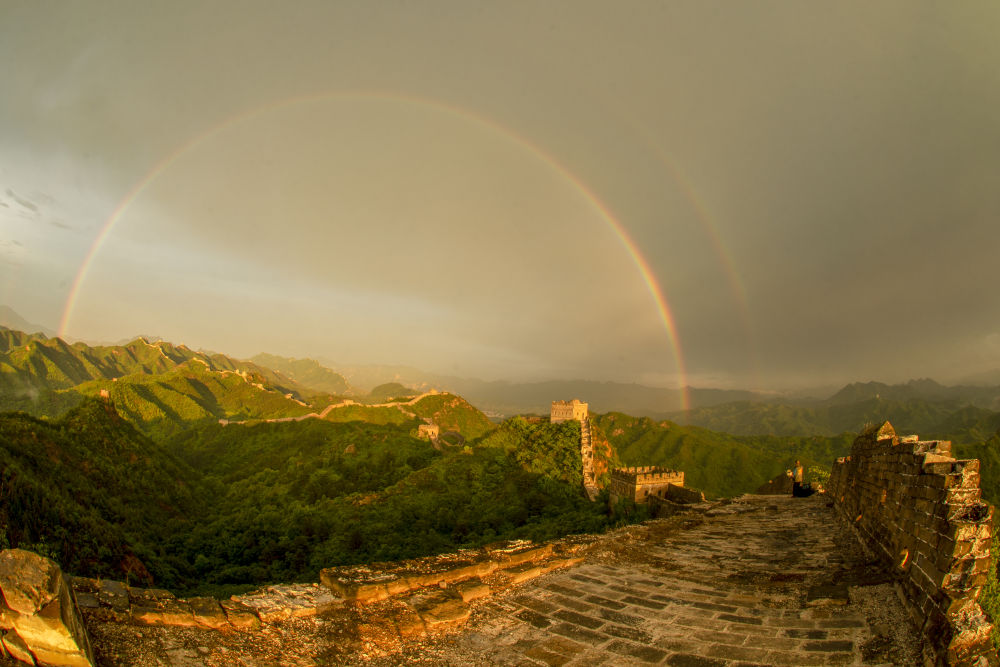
point(36, 208)
point(23, 202)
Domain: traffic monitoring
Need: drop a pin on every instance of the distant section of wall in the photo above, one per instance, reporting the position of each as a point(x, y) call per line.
point(639, 483)
point(914, 504)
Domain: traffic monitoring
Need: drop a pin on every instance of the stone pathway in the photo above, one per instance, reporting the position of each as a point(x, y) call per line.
point(766, 580)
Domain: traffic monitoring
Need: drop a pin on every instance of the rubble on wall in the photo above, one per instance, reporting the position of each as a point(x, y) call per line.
point(920, 509)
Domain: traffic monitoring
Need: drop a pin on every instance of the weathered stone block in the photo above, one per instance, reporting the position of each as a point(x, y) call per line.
point(239, 615)
point(46, 619)
point(164, 612)
point(17, 649)
point(114, 594)
point(446, 613)
point(56, 658)
point(472, 589)
point(521, 573)
point(208, 613)
point(28, 581)
point(523, 554)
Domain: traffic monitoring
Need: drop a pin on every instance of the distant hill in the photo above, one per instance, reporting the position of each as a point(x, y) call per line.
point(308, 373)
point(918, 406)
point(923, 389)
point(11, 320)
point(389, 391)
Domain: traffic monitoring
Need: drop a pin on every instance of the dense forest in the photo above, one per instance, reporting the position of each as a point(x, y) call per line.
point(221, 508)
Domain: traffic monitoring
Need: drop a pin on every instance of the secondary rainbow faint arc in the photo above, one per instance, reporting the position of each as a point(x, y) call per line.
point(666, 316)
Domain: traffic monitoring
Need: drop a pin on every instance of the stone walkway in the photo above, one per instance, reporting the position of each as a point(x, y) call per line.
point(766, 580)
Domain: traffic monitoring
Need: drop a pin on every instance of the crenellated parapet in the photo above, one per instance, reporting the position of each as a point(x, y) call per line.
point(921, 510)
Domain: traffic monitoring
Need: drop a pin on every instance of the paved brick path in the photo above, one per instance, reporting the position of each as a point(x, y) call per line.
point(762, 581)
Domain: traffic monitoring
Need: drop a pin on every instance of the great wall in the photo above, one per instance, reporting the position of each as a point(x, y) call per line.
point(884, 568)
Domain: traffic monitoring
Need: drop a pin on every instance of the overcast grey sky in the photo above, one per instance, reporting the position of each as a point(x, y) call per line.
point(814, 187)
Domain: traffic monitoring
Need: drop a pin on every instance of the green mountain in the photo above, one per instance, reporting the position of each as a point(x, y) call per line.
point(453, 413)
point(308, 373)
point(191, 392)
point(35, 362)
point(717, 463)
point(158, 386)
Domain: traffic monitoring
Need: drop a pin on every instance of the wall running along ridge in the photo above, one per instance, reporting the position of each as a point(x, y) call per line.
point(920, 509)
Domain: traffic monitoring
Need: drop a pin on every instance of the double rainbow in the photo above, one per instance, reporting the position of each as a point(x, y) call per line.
point(648, 277)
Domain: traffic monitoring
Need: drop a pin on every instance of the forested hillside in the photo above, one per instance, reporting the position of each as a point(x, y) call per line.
point(218, 508)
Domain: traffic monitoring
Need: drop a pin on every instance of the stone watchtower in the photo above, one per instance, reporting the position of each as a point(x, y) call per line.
point(563, 411)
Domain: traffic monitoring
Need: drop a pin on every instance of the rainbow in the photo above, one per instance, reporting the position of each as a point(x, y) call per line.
point(706, 220)
point(648, 277)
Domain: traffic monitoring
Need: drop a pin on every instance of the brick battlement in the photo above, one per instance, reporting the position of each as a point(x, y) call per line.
point(920, 510)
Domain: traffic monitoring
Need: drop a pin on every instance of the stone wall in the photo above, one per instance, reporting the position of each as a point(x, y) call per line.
point(920, 509)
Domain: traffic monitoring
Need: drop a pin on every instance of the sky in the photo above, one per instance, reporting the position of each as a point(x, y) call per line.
point(761, 195)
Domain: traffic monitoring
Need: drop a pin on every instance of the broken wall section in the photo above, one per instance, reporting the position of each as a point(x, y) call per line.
point(920, 509)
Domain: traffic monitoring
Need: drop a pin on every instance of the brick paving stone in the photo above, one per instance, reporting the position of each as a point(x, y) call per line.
point(642, 602)
point(828, 646)
point(579, 619)
point(547, 657)
point(559, 588)
point(805, 634)
point(541, 606)
point(687, 660)
point(730, 652)
point(579, 634)
point(620, 617)
point(570, 603)
point(640, 651)
point(605, 602)
point(677, 645)
point(783, 643)
point(733, 618)
point(720, 637)
point(625, 632)
point(534, 618)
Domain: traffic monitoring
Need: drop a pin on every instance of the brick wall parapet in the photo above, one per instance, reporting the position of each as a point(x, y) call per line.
point(921, 510)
